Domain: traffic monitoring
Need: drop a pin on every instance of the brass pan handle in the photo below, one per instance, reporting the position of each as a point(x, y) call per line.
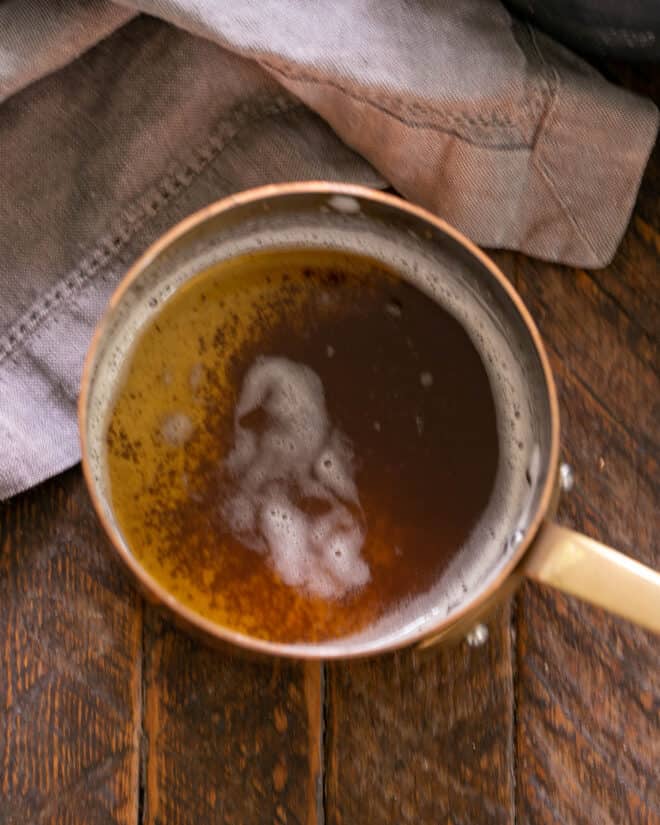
point(596, 573)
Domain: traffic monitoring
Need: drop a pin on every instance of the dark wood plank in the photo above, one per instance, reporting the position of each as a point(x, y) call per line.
point(588, 684)
point(423, 739)
point(70, 633)
point(230, 741)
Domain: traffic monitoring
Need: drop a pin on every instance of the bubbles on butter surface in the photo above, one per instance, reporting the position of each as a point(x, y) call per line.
point(294, 458)
point(176, 428)
point(196, 376)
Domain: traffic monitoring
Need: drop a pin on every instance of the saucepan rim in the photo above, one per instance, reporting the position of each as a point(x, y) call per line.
point(341, 648)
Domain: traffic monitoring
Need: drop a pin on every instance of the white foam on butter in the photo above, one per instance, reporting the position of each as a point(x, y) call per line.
point(296, 456)
point(176, 428)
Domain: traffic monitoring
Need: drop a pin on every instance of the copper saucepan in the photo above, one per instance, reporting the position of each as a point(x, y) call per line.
point(424, 249)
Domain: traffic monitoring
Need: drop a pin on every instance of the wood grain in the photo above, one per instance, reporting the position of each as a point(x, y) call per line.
point(229, 740)
point(70, 633)
point(414, 739)
point(588, 684)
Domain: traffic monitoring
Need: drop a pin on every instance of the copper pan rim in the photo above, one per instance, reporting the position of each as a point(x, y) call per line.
point(340, 649)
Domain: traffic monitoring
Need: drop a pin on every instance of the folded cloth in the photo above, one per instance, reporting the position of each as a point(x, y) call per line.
point(493, 126)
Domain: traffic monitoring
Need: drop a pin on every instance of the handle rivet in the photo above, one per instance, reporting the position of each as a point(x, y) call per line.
point(566, 477)
point(477, 636)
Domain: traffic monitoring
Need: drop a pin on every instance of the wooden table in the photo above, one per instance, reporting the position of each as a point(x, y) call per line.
point(109, 714)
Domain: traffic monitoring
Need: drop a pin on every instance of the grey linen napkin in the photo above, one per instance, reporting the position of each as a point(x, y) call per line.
point(495, 127)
